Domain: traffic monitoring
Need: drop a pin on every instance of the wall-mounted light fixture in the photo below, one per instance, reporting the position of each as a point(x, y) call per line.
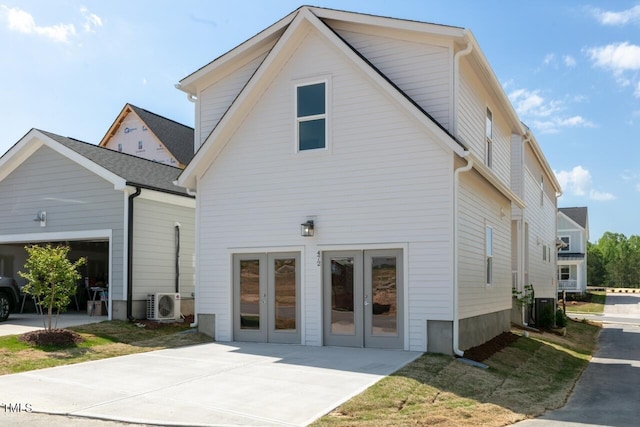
point(306, 229)
point(41, 217)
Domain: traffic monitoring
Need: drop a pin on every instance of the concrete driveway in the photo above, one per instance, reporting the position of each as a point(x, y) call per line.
point(608, 392)
point(208, 384)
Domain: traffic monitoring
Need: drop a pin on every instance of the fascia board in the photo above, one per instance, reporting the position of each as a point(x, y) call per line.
point(577, 226)
point(190, 83)
point(35, 139)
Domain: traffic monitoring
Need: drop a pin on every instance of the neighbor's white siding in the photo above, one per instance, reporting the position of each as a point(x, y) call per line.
point(481, 205)
point(74, 198)
point(217, 98)
point(382, 181)
point(540, 214)
point(154, 248)
point(422, 70)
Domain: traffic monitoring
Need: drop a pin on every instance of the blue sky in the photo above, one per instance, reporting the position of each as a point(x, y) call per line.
point(570, 68)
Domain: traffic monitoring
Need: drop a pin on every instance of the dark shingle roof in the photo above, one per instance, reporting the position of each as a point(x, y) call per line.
point(178, 138)
point(577, 214)
point(134, 170)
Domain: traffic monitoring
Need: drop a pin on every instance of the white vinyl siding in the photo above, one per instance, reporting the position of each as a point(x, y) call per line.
point(480, 207)
point(422, 70)
point(74, 198)
point(217, 98)
point(472, 116)
point(383, 181)
point(154, 248)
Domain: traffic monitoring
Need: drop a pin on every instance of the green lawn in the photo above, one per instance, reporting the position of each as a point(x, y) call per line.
point(531, 376)
point(101, 340)
point(594, 305)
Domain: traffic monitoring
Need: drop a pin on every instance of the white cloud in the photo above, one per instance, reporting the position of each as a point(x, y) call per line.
point(23, 22)
point(617, 18)
point(577, 182)
point(545, 115)
point(569, 61)
point(549, 59)
point(91, 20)
point(617, 57)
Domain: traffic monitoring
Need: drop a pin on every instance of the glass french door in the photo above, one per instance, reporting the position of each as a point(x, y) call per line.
point(266, 295)
point(363, 298)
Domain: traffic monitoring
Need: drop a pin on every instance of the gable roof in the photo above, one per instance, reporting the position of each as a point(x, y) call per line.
point(119, 168)
point(176, 137)
point(578, 215)
point(286, 42)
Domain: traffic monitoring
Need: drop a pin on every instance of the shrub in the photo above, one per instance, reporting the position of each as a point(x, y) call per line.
point(561, 319)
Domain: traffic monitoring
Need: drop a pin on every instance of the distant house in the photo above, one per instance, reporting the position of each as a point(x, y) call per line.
point(354, 184)
point(142, 133)
point(573, 233)
point(121, 212)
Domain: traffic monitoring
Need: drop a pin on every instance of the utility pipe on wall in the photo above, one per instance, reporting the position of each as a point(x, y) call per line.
point(130, 254)
point(456, 80)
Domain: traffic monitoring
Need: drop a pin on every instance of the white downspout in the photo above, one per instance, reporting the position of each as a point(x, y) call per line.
point(456, 80)
point(456, 178)
point(456, 321)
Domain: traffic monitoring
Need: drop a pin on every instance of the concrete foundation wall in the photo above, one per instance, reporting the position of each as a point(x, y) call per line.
point(480, 329)
point(440, 336)
point(207, 324)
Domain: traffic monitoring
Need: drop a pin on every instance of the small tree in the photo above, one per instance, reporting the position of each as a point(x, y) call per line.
point(51, 277)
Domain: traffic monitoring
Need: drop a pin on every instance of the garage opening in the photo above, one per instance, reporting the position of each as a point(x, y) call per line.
point(91, 290)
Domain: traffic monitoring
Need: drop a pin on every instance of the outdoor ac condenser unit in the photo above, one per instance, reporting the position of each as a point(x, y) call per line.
point(163, 306)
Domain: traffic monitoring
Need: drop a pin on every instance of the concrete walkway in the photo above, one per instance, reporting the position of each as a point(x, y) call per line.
point(204, 385)
point(608, 392)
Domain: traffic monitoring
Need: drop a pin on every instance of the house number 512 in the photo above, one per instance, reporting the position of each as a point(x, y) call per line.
point(318, 263)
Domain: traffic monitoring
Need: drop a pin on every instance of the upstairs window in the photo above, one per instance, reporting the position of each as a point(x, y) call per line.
point(311, 116)
point(489, 253)
point(120, 148)
point(489, 136)
point(567, 244)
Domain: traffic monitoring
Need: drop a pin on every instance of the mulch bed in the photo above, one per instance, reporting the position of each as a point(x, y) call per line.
point(491, 347)
point(54, 337)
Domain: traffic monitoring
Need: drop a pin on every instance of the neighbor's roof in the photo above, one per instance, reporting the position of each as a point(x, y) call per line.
point(176, 137)
point(134, 170)
point(577, 214)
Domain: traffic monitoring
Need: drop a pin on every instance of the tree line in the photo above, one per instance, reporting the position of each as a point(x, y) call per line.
point(614, 261)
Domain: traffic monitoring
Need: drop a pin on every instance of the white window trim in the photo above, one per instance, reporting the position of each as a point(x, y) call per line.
point(488, 159)
point(326, 79)
point(568, 248)
point(488, 257)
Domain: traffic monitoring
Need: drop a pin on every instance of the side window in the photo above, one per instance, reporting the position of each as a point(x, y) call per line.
point(566, 247)
point(489, 254)
point(311, 116)
point(489, 137)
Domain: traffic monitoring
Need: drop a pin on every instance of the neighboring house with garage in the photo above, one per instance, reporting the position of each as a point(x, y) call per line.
point(141, 133)
point(123, 213)
point(353, 180)
point(573, 235)
point(533, 228)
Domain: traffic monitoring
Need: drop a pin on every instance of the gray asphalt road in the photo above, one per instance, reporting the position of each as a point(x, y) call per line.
point(608, 392)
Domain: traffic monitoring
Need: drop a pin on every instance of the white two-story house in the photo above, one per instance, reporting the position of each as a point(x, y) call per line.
point(573, 232)
point(353, 181)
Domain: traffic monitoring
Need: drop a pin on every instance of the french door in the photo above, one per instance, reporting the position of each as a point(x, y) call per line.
point(266, 297)
point(363, 298)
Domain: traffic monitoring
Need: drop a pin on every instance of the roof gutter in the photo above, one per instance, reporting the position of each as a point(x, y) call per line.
point(130, 253)
point(456, 321)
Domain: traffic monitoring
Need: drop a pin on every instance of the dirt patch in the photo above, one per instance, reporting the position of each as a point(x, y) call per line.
point(54, 337)
point(155, 324)
point(491, 347)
